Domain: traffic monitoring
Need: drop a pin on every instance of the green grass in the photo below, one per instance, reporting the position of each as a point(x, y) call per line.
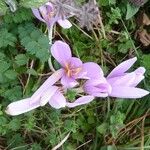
point(104, 124)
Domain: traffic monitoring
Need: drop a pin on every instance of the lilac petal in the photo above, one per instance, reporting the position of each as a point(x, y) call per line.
point(50, 5)
point(46, 96)
point(37, 14)
point(125, 80)
point(57, 100)
point(75, 62)
point(68, 82)
point(98, 88)
point(128, 92)
point(122, 68)
point(94, 71)
point(44, 13)
point(80, 101)
point(139, 76)
point(64, 23)
point(61, 52)
point(21, 106)
point(47, 84)
point(75, 65)
point(94, 91)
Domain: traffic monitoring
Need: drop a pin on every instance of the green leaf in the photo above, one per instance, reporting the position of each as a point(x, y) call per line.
point(102, 128)
point(14, 124)
point(3, 8)
point(11, 74)
point(32, 3)
point(32, 72)
point(21, 59)
point(71, 94)
point(34, 41)
point(146, 62)
point(112, 2)
point(131, 10)
point(8, 38)
point(4, 66)
point(22, 14)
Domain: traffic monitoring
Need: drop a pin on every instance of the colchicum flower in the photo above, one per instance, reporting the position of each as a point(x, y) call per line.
point(46, 93)
point(97, 86)
point(36, 100)
point(124, 84)
point(49, 14)
point(72, 67)
point(118, 83)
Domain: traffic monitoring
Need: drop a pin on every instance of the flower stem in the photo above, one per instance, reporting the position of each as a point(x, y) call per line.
point(50, 36)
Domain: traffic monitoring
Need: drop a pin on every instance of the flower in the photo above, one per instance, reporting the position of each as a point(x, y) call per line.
point(118, 83)
point(124, 84)
point(46, 93)
point(39, 98)
point(97, 87)
point(72, 67)
point(49, 15)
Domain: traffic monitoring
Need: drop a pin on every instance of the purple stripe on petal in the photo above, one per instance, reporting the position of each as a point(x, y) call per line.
point(21, 106)
point(81, 101)
point(122, 68)
point(128, 92)
point(61, 52)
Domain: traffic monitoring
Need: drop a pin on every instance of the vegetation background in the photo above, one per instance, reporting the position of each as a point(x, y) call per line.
point(104, 124)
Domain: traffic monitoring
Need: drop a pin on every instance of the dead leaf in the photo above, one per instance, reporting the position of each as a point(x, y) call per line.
point(144, 37)
point(146, 20)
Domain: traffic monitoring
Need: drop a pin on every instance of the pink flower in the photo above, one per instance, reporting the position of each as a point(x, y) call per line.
point(39, 98)
point(118, 83)
point(124, 84)
point(47, 14)
point(47, 93)
point(72, 67)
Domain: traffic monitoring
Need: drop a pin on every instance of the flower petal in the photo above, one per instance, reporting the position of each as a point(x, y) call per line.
point(37, 14)
point(46, 96)
point(122, 68)
point(93, 70)
point(125, 80)
point(80, 101)
point(68, 82)
point(47, 84)
point(57, 100)
point(98, 88)
point(61, 52)
point(64, 23)
point(21, 106)
point(139, 76)
point(76, 65)
point(75, 62)
point(127, 92)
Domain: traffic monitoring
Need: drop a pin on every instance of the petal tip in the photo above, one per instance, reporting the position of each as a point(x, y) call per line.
point(7, 111)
